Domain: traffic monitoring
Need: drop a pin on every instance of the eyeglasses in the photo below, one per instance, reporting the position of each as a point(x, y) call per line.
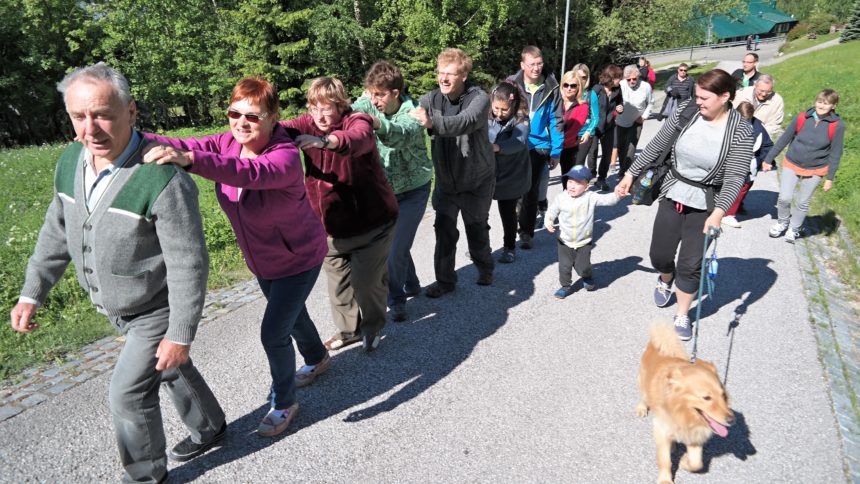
point(570, 86)
point(682, 70)
point(633, 79)
point(252, 117)
point(315, 111)
point(762, 93)
point(536, 65)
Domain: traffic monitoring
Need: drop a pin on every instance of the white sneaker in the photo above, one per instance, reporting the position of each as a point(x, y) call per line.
point(791, 235)
point(778, 229)
point(731, 221)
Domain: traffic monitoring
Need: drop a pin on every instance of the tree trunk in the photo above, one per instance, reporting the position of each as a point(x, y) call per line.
point(356, 7)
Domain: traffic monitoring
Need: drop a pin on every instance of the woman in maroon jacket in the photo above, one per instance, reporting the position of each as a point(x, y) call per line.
point(348, 191)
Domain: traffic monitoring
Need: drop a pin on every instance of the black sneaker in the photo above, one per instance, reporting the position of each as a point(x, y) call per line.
point(589, 284)
point(370, 342)
point(188, 449)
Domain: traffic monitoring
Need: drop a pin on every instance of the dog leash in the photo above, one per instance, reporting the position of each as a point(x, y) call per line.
point(707, 278)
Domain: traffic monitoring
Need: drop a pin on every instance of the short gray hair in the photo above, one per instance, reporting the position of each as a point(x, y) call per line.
point(765, 78)
point(631, 69)
point(98, 72)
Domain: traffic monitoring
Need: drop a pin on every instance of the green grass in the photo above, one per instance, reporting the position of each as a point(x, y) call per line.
point(804, 43)
point(67, 319)
point(798, 80)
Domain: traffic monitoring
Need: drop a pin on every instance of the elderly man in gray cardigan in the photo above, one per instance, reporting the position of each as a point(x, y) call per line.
point(135, 235)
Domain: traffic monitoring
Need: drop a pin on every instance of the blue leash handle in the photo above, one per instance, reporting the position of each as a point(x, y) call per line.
point(709, 274)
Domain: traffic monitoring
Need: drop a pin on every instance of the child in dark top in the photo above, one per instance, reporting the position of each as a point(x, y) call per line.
point(508, 133)
point(815, 140)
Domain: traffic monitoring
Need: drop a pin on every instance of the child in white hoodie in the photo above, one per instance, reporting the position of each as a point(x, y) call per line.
point(574, 208)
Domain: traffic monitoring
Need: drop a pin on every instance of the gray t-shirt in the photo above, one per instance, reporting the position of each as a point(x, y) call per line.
point(696, 154)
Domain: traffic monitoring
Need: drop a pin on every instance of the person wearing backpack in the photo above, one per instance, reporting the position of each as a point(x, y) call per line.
point(815, 139)
point(710, 159)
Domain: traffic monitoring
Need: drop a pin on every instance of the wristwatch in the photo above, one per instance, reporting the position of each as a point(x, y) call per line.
point(325, 141)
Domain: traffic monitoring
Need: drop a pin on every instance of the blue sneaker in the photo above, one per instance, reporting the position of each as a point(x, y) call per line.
point(563, 292)
point(663, 292)
point(683, 327)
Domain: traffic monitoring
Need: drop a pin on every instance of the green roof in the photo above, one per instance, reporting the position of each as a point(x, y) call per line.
point(762, 17)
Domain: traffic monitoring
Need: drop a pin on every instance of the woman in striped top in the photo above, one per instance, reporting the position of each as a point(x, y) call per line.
point(697, 192)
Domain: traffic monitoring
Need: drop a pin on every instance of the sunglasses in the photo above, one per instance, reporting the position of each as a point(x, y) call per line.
point(252, 117)
point(569, 86)
point(633, 79)
point(682, 70)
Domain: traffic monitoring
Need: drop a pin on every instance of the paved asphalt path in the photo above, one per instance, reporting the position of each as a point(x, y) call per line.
point(498, 384)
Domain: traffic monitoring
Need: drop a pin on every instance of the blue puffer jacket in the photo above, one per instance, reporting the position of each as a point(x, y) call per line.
point(545, 114)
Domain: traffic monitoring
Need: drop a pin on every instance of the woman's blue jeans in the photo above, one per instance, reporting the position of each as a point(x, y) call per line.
point(402, 278)
point(286, 318)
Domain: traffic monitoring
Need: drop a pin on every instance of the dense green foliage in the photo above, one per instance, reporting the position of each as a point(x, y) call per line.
point(67, 319)
point(803, 9)
point(852, 27)
point(182, 58)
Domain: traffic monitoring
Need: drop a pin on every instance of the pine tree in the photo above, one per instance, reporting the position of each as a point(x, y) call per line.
point(852, 28)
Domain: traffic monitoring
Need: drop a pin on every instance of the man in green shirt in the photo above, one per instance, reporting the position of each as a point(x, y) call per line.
point(401, 142)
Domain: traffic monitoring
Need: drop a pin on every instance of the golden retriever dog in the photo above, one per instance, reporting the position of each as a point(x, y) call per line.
point(688, 401)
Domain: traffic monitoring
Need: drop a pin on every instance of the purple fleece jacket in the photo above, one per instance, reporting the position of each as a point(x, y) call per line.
point(277, 230)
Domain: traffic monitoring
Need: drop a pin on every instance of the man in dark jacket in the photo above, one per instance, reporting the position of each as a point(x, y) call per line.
point(455, 116)
point(546, 130)
point(748, 73)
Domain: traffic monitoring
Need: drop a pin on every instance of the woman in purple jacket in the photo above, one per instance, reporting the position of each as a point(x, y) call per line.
point(260, 186)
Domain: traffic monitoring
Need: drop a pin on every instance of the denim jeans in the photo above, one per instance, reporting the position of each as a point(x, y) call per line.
point(789, 180)
point(134, 397)
point(286, 318)
point(402, 278)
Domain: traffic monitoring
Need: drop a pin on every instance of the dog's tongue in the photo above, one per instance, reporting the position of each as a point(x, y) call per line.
point(717, 427)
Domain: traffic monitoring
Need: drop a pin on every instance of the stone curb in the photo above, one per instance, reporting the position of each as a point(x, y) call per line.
point(41, 384)
point(836, 326)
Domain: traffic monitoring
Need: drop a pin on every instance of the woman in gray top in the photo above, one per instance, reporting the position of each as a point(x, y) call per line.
point(696, 193)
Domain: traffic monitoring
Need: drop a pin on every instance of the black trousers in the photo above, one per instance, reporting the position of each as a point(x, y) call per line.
point(626, 140)
point(570, 259)
point(475, 209)
point(571, 157)
point(528, 211)
point(671, 230)
point(508, 214)
point(606, 141)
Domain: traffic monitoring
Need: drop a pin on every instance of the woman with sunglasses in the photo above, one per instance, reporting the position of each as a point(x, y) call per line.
point(348, 191)
point(260, 186)
point(575, 115)
point(679, 88)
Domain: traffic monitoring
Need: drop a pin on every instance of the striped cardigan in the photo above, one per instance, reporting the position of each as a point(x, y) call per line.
point(730, 172)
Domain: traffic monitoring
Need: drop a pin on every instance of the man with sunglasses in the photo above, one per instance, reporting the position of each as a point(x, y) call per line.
point(135, 235)
point(679, 88)
point(546, 132)
point(638, 103)
point(769, 105)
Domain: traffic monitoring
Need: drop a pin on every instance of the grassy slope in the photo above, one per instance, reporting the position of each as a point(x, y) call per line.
point(67, 319)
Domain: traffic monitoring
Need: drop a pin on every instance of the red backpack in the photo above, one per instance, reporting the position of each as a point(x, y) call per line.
point(801, 118)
